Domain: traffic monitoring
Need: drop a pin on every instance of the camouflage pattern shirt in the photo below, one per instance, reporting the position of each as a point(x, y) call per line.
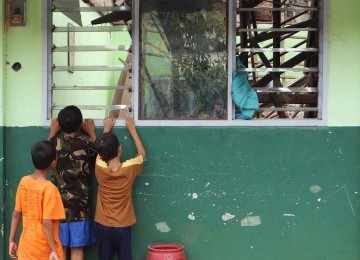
point(75, 156)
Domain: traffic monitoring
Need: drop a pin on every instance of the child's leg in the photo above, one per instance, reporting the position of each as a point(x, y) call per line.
point(122, 238)
point(65, 252)
point(104, 242)
point(77, 253)
point(81, 235)
point(64, 234)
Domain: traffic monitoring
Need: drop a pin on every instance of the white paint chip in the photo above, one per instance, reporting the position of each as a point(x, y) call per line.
point(146, 183)
point(207, 184)
point(162, 227)
point(251, 221)
point(195, 196)
point(227, 216)
point(191, 216)
point(315, 189)
point(288, 215)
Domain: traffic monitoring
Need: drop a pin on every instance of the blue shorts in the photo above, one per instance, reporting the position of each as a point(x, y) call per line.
point(77, 233)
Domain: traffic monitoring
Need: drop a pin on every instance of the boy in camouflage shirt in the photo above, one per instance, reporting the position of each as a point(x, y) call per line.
point(75, 156)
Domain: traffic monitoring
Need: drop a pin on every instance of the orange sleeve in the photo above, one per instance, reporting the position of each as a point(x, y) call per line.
point(52, 204)
point(18, 204)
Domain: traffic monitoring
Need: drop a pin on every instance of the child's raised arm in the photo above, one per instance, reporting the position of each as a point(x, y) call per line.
point(108, 124)
point(130, 125)
point(54, 128)
point(89, 128)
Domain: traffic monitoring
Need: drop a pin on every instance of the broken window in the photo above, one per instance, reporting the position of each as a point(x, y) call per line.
point(278, 44)
point(174, 60)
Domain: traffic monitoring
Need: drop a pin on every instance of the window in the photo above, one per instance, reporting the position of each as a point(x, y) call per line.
point(173, 64)
point(278, 44)
point(183, 58)
point(90, 60)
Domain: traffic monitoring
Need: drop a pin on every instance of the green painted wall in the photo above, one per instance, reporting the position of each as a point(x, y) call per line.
point(344, 63)
point(303, 184)
point(2, 172)
point(24, 88)
point(203, 173)
point(2, 64)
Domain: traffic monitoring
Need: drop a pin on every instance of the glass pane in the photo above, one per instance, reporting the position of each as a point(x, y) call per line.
point(183, 55)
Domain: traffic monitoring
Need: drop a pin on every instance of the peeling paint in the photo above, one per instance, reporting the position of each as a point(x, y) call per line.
point(288, 215)
point(251, 221)
point(207, 184)
point(315, 189)
point(2, 230)
point(162, 227)
point(227, 216)
point(191, 216)
point(195, 196)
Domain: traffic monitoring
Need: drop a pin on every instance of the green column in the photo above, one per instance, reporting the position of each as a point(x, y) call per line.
point(2, 172)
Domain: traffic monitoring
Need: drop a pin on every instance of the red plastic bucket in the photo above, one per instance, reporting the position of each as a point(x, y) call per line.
point(167, 251)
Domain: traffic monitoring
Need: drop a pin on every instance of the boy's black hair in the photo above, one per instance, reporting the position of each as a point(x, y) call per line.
point(70, 119)
point(107, 146)
point(42, 154)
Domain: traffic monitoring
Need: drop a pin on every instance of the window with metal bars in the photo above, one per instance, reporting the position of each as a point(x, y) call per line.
point(180, 56)
point(90, 57)
point(279, 44)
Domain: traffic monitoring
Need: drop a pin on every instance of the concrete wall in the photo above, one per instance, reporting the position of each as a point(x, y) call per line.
point(298, 186)
point(344, 64)
point(24, 88)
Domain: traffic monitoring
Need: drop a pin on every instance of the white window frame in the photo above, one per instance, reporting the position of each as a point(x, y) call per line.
point(231, 121)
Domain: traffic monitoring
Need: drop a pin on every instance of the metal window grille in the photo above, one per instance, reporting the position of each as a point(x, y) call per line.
point(99, 86)
point(278, 43)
